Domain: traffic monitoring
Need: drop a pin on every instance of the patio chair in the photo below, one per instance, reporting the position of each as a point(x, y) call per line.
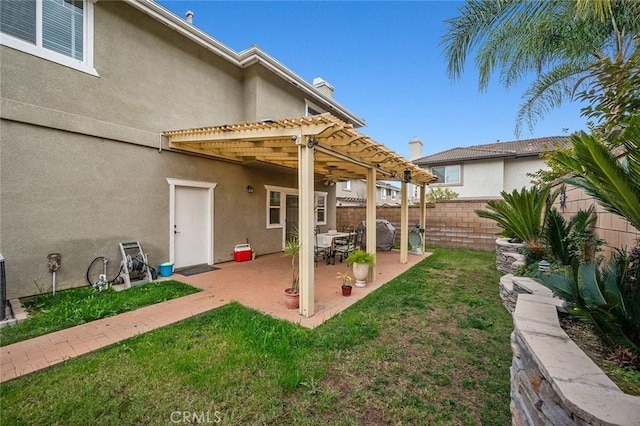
point(319, 251)
point(343, 247)
point(359, 238)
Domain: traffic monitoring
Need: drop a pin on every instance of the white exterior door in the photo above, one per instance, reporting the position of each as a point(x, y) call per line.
point(191, 223)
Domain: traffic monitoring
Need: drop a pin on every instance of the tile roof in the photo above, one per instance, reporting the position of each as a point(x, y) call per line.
point(514, 149)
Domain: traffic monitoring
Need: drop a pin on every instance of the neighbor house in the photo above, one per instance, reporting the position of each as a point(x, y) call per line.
point(121, 121)
point(353, 193)
point(483, 171)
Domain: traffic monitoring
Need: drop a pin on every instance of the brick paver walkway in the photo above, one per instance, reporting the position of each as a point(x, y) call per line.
point(257, 284)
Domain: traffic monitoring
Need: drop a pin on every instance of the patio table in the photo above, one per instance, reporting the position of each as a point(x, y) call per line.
point(325, 240)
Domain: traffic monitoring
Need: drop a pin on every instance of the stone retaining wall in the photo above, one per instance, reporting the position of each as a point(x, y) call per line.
point(508, 256)
point(552, 381)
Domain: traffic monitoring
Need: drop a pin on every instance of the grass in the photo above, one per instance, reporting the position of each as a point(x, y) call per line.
point(80, 305)
point(430, 347)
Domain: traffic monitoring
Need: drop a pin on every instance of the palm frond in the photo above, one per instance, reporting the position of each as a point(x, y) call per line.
point(556, 232)
point(547, 92)
point(605, 178)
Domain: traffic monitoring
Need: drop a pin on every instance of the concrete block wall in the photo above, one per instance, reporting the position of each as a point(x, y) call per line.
point(449, 224)
point(616, 231)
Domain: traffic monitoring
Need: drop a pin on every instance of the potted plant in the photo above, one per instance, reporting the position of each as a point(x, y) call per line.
point(361, 261)
point(346, 279)
point(292, 294)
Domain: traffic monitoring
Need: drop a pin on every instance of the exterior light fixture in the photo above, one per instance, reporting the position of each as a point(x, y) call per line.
point(250, 189)
point(563, 198)
point(407, 176)
point(312, 142)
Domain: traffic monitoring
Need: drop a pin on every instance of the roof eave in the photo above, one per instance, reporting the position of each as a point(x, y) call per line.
point(466, 160)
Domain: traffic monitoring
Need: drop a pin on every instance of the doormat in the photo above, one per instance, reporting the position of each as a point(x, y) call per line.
point(195, 270)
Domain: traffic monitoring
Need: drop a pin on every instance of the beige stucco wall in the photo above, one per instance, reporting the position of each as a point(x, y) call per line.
point(358, 189)
point(480, 179)
point(80, 168)
point(516, 169)
point(80, 196)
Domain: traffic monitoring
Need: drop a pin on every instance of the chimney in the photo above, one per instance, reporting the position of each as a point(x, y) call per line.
point(415, 149)
point(323, 87)
point(189, 17)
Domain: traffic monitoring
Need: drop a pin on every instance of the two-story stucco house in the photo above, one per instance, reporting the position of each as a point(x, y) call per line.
point(121, 121)
point(353, 193)
point(483, 171)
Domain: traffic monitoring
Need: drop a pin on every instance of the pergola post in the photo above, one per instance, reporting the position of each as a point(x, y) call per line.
point(404, 224)
point(371, 218)
point(306, 221)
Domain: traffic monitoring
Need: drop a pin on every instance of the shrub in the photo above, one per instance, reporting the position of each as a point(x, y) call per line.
point(440, 194)
point(608, 298)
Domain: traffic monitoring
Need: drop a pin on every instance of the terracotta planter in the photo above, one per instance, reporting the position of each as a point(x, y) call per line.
point(292, 300)
point(346, 290)
point(361, 273)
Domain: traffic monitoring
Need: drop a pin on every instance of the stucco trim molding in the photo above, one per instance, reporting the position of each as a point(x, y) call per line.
point(54, 119)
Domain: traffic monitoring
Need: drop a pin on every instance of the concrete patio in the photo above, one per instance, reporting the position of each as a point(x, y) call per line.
point(258, 284)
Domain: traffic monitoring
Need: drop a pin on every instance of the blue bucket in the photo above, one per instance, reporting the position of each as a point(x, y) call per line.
point(166, 269)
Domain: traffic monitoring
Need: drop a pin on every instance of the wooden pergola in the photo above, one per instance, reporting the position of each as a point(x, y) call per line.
point(314, 145)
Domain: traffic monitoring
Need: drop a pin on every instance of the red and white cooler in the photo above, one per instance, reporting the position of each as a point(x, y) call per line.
point(242, 253)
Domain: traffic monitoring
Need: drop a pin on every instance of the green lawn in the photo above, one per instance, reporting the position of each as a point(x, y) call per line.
point(430, 347)
point(68, 308)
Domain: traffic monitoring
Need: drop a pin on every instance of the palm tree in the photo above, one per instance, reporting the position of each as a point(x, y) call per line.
point(558, 40)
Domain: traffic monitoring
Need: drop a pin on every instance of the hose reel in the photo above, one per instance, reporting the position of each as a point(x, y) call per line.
point(135, 264)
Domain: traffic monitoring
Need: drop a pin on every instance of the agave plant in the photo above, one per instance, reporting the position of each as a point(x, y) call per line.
point(521, 214)
point(602, 297)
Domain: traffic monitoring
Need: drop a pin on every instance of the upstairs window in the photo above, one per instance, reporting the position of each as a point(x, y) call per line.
point(57, 30)
point(346, 185)
point(448, 174)
point(311, 108)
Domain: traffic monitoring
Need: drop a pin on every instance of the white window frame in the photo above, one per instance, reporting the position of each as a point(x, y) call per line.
point(383, 193)
point(346, 185)
point(445, 183)
point(319, 195)
point(86, 65)
point(393, 194)
point(284, 191)
point(310, 105)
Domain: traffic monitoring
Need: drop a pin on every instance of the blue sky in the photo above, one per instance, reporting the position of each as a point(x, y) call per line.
point(384, 60)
